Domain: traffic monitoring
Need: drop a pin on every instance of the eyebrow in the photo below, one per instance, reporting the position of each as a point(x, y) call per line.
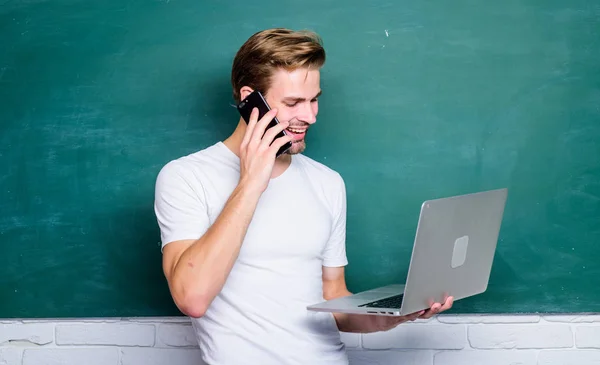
point(299, 99)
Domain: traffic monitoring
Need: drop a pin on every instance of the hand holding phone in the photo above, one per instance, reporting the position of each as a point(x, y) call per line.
point(256, 100)
point(263, 141)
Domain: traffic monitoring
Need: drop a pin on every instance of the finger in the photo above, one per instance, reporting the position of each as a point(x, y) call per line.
point(448, 304)
point(435, 309)
point(250, 126)
point(428, 314)
point(261, 125)
point(272, 132)
point(279, 142)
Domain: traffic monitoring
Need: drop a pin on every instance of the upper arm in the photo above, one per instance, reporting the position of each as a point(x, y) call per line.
point(334, 254)
point(171, 255)
point(334, 283)
point(181, 214)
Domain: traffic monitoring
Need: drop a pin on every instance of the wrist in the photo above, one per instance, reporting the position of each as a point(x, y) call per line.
point(248, 190)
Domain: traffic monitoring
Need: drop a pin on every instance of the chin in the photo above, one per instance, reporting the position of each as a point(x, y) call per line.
point(297, 147)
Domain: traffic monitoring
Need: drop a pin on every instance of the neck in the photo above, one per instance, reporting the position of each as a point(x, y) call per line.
point(234, 141)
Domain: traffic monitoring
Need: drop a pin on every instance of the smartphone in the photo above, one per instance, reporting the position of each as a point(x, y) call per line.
point(256, 100)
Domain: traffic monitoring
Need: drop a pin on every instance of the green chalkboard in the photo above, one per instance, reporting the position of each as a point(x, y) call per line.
point(422, 99)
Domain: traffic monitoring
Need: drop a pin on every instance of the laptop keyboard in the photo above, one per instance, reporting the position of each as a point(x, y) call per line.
point(389, 302)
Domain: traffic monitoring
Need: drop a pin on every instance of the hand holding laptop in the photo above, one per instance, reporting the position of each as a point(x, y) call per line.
point(385, 323)
point(437, 308)
point(366, 323)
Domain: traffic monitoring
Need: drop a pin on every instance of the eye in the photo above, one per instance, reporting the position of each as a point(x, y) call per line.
point(291, 105)
point(314, 100)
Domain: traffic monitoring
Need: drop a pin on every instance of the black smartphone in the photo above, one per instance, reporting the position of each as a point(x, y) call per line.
point(256, 100)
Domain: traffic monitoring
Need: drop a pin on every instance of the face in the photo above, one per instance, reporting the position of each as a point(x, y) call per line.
point(295, 94)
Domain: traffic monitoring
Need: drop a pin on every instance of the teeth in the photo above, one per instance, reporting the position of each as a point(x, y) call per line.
point(296, 130)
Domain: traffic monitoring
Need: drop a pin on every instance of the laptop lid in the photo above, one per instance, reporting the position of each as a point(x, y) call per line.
point(454, 248)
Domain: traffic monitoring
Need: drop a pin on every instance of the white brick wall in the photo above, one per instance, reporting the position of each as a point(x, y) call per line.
point(445, 340)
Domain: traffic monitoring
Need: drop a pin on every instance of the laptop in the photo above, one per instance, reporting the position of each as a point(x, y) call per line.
point(452, 255)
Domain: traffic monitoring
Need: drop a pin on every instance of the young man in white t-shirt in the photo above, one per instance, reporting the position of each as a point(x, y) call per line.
point(249, 240)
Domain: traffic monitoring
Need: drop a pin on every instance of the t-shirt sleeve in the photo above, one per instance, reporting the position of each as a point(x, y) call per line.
point(335, 250)
point(181, 211)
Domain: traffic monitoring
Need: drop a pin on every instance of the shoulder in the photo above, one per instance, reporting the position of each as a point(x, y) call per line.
point(188, 169)
point(178, 168)
point(324, 172)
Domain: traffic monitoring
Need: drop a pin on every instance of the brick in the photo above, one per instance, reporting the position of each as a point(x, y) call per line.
point(35, 333)
point(587, 336)
point(505, 336)
point(176, 335)
point(116, 334)
point(351, 340)
point(487, 357)
point(453, 319)
point(155, 356)
point(572, 319)
point(418, 336)
point(11, 356)
point(362, 357)
point(71, 356)
point(569, 357)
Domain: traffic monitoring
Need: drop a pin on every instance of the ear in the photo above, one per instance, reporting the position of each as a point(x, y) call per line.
point(245, 91)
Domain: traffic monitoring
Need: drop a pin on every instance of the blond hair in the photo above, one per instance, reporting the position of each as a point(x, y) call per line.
point(266, 51)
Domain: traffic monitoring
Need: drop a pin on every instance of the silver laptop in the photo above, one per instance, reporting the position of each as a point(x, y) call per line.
point(452, 255)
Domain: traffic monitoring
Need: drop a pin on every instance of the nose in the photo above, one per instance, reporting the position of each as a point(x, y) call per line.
point(308, 114)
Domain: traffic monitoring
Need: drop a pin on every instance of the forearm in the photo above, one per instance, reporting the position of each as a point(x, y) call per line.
point(203, 268)
point(353, 323)
point(334, 286)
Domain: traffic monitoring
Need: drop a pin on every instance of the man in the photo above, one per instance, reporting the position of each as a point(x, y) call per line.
point(249, 240)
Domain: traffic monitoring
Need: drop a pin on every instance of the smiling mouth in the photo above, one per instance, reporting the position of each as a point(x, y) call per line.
point(297, 133)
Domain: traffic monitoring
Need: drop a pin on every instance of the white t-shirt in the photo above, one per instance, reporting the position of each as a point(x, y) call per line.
point(260, 316)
